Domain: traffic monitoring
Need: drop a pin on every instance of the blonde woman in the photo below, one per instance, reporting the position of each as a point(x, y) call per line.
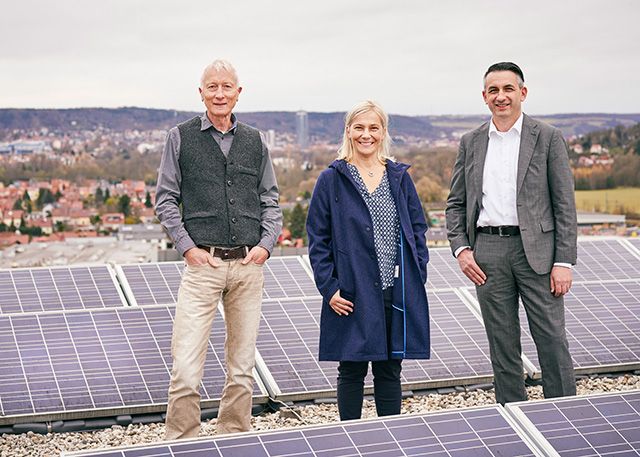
point(367, 248)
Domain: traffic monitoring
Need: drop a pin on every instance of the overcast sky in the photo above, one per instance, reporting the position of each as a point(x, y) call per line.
point(414, 57)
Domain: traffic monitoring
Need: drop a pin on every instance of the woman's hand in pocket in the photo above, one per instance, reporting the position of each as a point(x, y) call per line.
point(340, 305)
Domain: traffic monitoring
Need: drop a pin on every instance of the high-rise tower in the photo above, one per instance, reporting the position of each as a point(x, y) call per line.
point(302, 130)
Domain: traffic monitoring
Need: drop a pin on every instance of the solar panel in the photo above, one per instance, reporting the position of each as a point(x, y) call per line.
point(635, 243)
point(603, 325)
point(443, 271)
point(288, 277)
point(62, 365)
point(598, 425)
point(288, 348)
point(158, 283)
point(151, 283)
point(525, 337)
point(602, 322)
point(605, 259)
point(27, 290)
point(459, 346)
point(478, 432)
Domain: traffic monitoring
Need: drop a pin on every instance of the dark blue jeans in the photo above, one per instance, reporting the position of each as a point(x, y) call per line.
point(387, 390)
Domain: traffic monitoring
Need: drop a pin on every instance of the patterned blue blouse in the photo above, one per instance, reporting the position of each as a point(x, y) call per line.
point(386, 224)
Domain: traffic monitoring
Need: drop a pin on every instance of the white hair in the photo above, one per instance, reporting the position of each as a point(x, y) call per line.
point(219, 65)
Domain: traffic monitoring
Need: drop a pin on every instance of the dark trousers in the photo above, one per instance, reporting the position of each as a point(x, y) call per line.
point(387, 390)
point(510, 277)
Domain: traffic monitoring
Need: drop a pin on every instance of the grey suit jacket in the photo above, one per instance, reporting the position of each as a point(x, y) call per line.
point(545, 194)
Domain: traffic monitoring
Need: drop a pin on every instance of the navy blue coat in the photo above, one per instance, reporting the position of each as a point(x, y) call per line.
point(343, 256)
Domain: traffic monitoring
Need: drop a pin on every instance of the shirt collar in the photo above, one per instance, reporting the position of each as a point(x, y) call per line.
point(517, 127)
point(205, 123)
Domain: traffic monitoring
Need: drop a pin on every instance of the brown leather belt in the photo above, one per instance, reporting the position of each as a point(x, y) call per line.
point(239, 252)
point(503, 230)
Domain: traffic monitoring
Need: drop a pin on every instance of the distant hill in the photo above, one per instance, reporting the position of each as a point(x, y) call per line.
point(322, 126)
point(575, 124)
point(90, 118)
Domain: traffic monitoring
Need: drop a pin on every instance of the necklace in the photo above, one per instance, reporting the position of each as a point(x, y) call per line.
point(362, 169)
point(370, 173)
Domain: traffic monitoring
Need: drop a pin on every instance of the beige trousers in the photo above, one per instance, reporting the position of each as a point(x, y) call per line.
point(240, 287)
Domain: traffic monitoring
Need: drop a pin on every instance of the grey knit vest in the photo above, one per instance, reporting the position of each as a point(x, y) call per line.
point(220, 201)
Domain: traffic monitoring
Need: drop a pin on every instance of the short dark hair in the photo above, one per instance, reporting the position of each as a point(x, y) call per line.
point(506, 66)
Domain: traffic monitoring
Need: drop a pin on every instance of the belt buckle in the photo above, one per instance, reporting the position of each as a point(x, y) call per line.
point(220, 252)
point(500, 233)
point(233, 253)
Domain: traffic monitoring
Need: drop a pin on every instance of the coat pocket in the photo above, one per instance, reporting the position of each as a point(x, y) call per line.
point(547, 226)
point(346, 278)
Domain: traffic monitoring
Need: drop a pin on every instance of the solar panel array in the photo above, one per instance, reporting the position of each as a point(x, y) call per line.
point(58, 365)
point(478, 432)
point(598, 260)
point(62, 364)
point(602, 321)
point(288, 348)
point(158, 283)
point(113, 360)
point(605, 259)
point(599, 425)
point(602, 317)
point(28, 290)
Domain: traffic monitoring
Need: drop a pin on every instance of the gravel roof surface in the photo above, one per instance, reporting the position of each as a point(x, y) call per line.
point(35, 445)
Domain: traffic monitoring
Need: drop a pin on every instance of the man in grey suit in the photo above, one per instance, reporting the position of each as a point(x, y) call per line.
point(511, 222)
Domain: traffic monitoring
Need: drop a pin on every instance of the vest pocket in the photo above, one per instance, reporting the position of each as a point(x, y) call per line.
point(247, 180)
point(246, 170)
point(249, 216)
point(200, 214)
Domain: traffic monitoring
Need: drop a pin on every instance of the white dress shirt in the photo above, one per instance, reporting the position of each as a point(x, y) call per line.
point(499, 179)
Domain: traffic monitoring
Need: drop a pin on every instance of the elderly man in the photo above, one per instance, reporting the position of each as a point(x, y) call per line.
point(220, 172)
point(511, 219)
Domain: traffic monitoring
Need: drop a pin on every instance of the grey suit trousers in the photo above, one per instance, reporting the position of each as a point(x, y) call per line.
point(509, 277)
